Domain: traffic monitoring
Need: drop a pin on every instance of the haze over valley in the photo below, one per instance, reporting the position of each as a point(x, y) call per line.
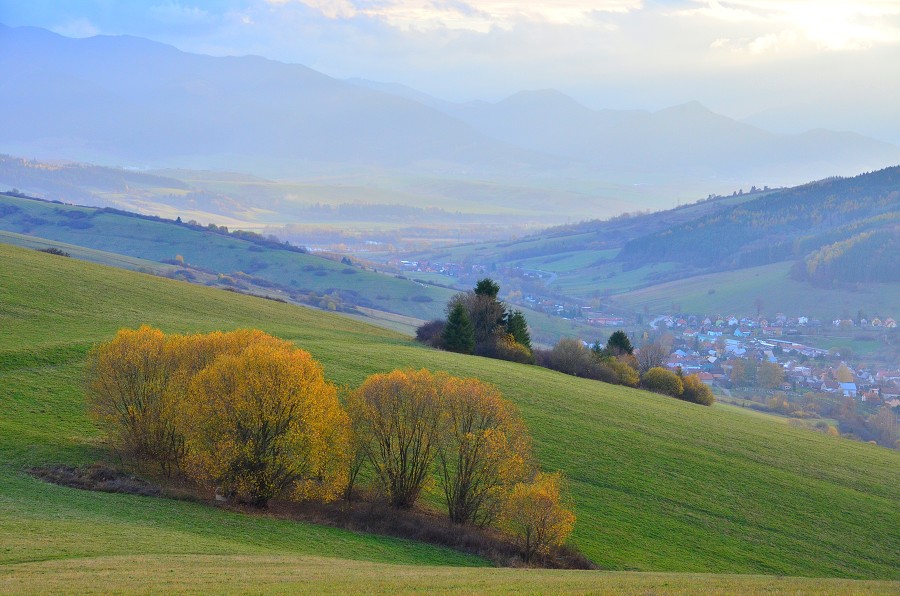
point(346, 296)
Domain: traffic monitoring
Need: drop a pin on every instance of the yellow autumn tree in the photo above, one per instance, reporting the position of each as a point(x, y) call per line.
point(537, 515)
point(264, 423)
point(127, 389)
point(399, 421)
point(485, 449)
point(697, 391)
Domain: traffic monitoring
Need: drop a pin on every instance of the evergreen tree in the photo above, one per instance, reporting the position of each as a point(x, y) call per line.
point(517, 326)
point(458, 335)
point(618, 344)
point(487, 287)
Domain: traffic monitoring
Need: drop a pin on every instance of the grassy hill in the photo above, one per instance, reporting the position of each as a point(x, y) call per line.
point(813, 250)
point(164, 240)
point(729, 291)
point(659, 485)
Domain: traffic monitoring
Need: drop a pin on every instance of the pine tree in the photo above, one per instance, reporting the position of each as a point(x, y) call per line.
point(458, 335)
point(618, 343)
point(517, 326)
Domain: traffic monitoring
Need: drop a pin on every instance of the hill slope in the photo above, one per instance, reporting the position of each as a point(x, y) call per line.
point(658, 484)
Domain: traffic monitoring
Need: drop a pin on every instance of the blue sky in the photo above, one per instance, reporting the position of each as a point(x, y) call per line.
point(738, 57)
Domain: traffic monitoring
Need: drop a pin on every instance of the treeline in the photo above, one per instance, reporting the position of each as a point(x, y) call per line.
point(479, 323)
point(778, 226)
point(618, 363)
point(254, 417)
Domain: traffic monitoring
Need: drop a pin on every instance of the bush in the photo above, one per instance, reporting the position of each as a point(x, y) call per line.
point(128, 392)
point(503, 346)
point(55, 251)
point(400, 424)
point(485, 449)
point(243, 409)
point(265, 423)
point(696, 391)
point(430, 333)
point(626, 373)
point(537, 515)
point(660, 380)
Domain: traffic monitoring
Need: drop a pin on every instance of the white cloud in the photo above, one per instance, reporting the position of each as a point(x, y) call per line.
point(473, 15)
point(774, 26)
point(77, 28)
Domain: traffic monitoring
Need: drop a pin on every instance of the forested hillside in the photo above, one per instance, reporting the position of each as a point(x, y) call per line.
point(835, 222)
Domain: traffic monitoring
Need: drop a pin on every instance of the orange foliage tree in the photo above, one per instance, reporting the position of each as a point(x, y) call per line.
point(127, 388)
point(536, 513)
point(399, 420)
point(243, 409)
point(265, 423)
point(485, 449)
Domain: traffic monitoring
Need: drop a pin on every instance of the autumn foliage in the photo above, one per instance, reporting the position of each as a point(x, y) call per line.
point(484, 451)
point(537, 514)
point(398, 417)
point(254, 416)
point(265, 423)
point(243, 410)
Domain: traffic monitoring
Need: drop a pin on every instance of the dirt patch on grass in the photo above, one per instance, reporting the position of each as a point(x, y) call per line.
point(98, 477)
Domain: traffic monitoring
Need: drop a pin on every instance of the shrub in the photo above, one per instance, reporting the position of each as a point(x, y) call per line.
point(696, 391)
point(430, 333)
point(503, 346)
point(626, 373)
point(485, 449)
point(399, 418)
point(660, 380)
point(265, 423)
point(55, 251)
point(537, 515)
point(128, 393)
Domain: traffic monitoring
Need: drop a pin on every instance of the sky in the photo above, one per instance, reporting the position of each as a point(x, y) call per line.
point(799, 62)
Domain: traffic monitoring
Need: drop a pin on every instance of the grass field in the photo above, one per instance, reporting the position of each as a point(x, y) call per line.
point(735, 291)
point(659, 485)
point(141, 244)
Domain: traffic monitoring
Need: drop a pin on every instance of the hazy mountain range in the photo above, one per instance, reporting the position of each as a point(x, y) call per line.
point(130, 101)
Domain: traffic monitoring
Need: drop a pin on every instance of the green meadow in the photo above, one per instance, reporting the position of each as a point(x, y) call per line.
point(686, 494)
point(736, 291)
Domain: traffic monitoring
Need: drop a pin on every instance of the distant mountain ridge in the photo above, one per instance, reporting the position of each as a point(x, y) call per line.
point(130, 100)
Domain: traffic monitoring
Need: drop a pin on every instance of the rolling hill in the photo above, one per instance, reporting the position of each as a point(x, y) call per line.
point(824, 248)
point(238, 261)
point(659, 485)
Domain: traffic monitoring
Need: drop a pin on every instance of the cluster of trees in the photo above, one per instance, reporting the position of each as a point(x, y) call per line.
point(254, 416)
point(756, 373)
point(617, 362)
point(479, 323)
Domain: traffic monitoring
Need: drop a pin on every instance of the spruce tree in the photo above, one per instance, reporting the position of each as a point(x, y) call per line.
point(618, 343)
point(517, 326)
point(459, 336)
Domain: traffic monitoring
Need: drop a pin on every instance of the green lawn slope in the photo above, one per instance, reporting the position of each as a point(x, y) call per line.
point(659, 485)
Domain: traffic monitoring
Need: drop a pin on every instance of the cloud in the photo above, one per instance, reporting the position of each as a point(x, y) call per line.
point(473, 15)
point(783, 25)
point(80, 27)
